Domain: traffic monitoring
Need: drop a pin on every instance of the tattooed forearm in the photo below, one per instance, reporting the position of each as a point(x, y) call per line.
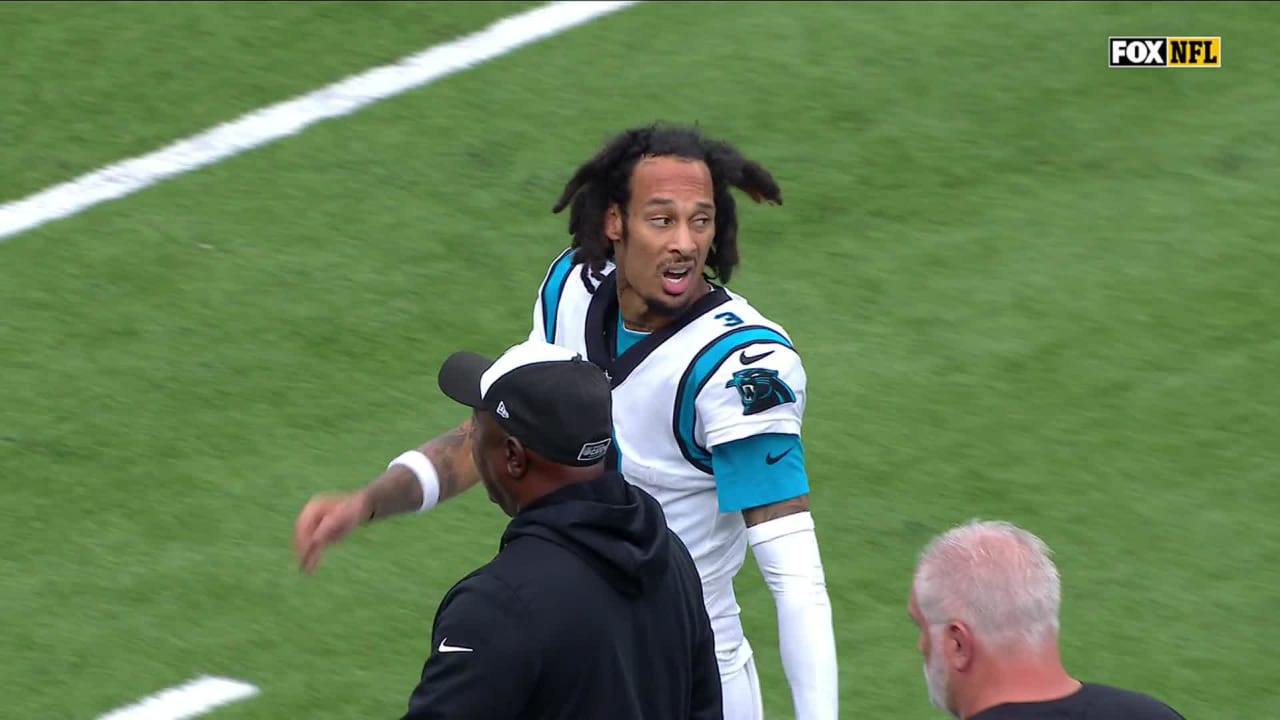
point(451, 454)
point(395, 491)
point(765, 513)
point(398, 491)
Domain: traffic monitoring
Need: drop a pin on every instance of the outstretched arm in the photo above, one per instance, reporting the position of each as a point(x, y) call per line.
point(399, 490)
point(328, 519)
point(418, 480)
point(783, 542)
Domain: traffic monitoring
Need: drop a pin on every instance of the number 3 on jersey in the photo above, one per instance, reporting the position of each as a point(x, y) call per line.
point(729, 319)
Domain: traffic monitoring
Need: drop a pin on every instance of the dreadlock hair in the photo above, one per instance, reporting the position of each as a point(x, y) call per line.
point(606, 179)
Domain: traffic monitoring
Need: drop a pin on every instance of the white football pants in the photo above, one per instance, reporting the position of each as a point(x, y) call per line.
point(741, 691)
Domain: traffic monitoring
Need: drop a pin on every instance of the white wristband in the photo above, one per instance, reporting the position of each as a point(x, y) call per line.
point(426, 473)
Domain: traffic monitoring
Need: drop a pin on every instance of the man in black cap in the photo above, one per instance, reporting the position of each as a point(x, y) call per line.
point(593, 607)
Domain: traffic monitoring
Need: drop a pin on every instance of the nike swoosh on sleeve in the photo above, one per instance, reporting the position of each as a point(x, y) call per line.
point(452, 648)
point(770, 459)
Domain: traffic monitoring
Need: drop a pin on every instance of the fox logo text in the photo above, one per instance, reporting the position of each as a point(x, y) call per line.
point(1164, 52)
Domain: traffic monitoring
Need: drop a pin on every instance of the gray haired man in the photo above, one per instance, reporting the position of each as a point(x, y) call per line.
point(985, 597)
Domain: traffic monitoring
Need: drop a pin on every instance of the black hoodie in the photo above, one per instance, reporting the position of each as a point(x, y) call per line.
point(592, 609)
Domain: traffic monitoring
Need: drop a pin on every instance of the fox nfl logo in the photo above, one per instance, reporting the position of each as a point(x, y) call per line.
point(1165, 52)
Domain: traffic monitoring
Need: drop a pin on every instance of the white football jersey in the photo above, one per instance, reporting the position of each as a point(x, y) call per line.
point(720, 372)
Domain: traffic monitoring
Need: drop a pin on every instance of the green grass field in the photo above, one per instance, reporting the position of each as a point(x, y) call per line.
point(1025, 286)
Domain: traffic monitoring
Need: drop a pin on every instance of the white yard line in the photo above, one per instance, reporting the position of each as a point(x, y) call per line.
point(191, 699)
point(290, 117)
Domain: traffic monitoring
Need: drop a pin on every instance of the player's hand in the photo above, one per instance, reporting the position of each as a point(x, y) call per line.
point(325, 520)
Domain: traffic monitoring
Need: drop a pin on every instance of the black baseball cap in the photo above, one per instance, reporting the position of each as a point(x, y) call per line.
point(548, 397)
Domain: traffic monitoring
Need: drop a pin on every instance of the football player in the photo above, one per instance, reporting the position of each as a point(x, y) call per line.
point(709, 396)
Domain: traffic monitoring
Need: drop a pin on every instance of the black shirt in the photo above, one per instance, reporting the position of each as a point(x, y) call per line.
point(592, 609)
point(1090, 702)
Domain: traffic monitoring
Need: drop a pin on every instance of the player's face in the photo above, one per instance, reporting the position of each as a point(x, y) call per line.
point(489, 449)
point(661, 247)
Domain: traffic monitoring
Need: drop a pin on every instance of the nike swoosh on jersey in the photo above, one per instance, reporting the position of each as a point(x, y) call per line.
point(770, 459)
point(452, 648)
point(746, 359)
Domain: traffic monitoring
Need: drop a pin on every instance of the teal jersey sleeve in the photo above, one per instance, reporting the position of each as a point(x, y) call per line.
point(759, 470)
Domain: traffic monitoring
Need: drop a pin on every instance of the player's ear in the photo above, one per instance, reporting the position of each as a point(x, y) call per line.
point(613, 223)
point(959, 642)
point(517, 460)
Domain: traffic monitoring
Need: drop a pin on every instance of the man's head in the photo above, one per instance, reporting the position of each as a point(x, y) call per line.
point(657, 201)
point(984, 595)
point(542, 419)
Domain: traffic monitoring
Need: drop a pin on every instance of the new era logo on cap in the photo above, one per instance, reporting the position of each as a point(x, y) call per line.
point(502, 410)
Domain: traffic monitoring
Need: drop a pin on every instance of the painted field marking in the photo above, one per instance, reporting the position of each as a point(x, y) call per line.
point(271, 123)
point(191, 699)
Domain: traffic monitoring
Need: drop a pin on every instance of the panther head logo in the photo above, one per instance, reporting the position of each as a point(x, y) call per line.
point(760, 389)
